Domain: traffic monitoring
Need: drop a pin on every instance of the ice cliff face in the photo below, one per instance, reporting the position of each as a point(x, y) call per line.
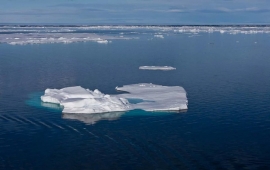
point(152, 98)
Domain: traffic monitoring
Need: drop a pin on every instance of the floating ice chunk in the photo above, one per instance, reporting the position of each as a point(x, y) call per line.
point(165, 68)
point(151, 98)
point(222, 31)
point(159, 36)
point(155, 97)
point(103, 41)
point(79, 100)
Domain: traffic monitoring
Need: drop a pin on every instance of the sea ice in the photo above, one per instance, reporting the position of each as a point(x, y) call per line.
point(103, 41)
point(155, 97)
point(43, 38)
point(159, 36)
point(150, 97)
point(79, 100)
point(157, 68)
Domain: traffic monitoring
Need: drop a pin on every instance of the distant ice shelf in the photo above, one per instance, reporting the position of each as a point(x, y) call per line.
point(151, 97)
point(165, 68)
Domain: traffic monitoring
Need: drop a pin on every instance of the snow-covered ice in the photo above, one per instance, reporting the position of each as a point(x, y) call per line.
point(79, 100)
point(151, 98)
point(43, 38)
point(103, 41)
point(157, 68)
point(17, 35)
point(155, 97)
point(159, 36)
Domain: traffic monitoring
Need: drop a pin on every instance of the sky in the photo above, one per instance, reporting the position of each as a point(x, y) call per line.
point(150, 12)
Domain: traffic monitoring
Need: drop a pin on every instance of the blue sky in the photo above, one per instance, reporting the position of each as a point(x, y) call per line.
point(135, 11)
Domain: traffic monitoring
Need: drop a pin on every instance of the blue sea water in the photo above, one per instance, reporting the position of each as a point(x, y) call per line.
point(226, 126)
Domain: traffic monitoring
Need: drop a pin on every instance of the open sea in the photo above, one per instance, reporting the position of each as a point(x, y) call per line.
point(225, 71)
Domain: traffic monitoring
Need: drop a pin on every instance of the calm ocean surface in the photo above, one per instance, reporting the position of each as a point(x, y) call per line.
point(226, 126)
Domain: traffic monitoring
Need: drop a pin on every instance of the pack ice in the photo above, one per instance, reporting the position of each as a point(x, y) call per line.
point(152, 98)
point(165, 68)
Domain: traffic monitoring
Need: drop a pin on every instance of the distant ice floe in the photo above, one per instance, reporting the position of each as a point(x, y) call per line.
point(224, 29)
point(159, 36)
point(103, 41)
point(43, 38)
point(151, 97)
point(164, 68)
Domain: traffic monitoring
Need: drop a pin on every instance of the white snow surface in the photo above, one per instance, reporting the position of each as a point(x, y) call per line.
point(152, 98)
point(165, 68)
point(159, 36)
point(17, 35)
point(155, 97)
point(79, 100)
point(43, 38)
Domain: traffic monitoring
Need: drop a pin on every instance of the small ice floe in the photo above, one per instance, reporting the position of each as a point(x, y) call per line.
point(149, 97)
point(103, 41)
point(164, 68)
point(222, 31)
point(159, 36)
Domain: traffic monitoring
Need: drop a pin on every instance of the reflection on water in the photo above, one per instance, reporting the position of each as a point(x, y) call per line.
point(51, 105)
point(34, 100)
point(92, 118)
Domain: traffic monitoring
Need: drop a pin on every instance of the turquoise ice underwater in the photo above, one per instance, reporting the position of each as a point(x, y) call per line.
point(226, 77)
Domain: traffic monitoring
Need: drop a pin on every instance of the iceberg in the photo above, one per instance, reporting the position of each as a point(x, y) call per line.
point(79, 100)
point(165, 68)
point(148, 97)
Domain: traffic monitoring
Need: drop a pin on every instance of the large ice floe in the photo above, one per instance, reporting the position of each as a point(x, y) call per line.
point(148, 97)
point(165, 68)
point(155, 97)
